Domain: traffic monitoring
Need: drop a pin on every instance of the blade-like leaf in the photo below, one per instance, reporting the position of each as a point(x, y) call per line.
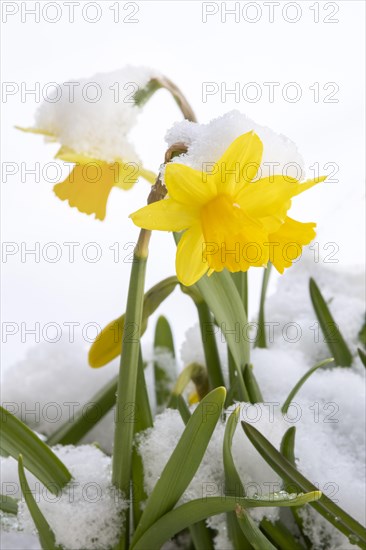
point(362, 335)
point(196, 510)
point(163, 335)
point(332, 335)
point(301, 382)
point(362, 356)
point(251, 384)
point(16, 438)
point(240, 279)
point(287, 449)
point(184, 461)
point(108, 344)
point(243, 531)
point(280, 535)
point(209, 343)
point(46, 536)
point(222, 297)
point(163, 340)
point(70, 433)
point(288, 445)
point(260, 341)
point(8, 505)
point(326, 507)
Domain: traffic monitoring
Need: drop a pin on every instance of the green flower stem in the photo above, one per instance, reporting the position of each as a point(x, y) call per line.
point(212, 358)
point(128, 375)
point(238, 393)
point(143, 421)
point(144, 418)
point(261, 341)
point(144, 94)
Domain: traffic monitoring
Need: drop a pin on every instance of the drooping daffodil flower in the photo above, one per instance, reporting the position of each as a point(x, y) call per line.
point(91, 118)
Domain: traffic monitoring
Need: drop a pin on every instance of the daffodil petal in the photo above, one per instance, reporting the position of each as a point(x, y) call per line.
point(165, 215)
point(267, 196)
point(308, 184)
point(239, 163)
point(190, 262)
point(36, 131)
point(87, 188)
point(69, 155)
point(188, 186)
point(126, 174)
point(287, 242)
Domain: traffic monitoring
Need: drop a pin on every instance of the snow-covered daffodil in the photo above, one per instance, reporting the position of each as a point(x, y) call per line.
point(91, 119)
point(229, 219)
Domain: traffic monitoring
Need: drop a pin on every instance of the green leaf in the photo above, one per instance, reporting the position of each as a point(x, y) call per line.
point(362, 356)
point(280, 535)
point(8, 505)
point(47, 538)
point(16, 438)
point(72, 432)
point(301, 382)
point(196, 510)
point(163, 335)
point(243, 531)
point(260, 341)
point(240, 279)
point(184, 461)
point(332, 335)
point(326, 507)
point(202, 536)
point(288, 445)
point(362, 335)
point(163, 380)
point(251, 384)
point(108, 344)
point(221, 296)
point(234, 394)
point(287, 449)
point(183, 409)
point(253, 534)
point(212, 358)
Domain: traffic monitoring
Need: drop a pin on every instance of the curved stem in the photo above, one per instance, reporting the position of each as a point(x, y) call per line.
point(143, 95)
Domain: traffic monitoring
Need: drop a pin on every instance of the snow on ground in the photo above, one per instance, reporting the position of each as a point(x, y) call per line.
point(52, 383)
point(88, 512)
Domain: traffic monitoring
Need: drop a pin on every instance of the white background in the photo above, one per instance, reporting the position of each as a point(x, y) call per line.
point(172, 37)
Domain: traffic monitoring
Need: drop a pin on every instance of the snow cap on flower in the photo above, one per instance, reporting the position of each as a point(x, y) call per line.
point(93, 115)
point(207, 143)
point(91, 119)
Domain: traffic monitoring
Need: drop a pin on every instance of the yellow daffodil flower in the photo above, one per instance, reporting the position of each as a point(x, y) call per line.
point(229, 220)
point(90, 182)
